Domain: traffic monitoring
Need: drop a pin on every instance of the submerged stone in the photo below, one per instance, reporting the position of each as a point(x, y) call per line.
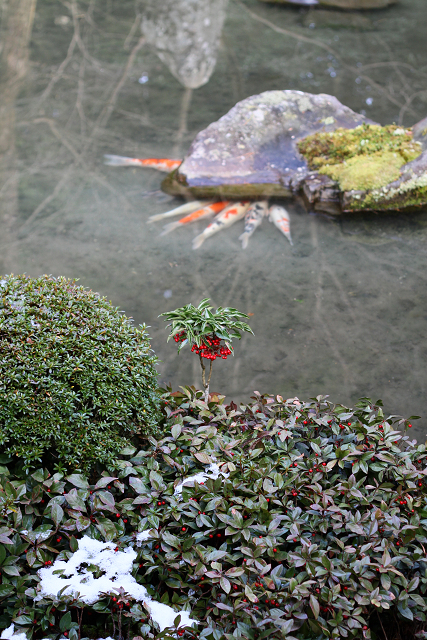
point(186, 36)
point(289, 143)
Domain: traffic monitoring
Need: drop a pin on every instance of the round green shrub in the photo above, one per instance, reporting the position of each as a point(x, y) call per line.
point(76, 378)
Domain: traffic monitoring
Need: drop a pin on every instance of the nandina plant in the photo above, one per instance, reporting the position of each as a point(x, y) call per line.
point(208, 332)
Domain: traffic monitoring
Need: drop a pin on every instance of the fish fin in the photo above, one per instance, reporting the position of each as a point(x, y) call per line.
point(170, 227)
point(245, 239)
point(188, 207)
point(199, 240)
point(121, 161)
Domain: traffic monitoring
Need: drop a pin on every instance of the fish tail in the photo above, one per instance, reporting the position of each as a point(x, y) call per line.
point(188, 207)
point(161, 164)
point(120, 161)
point(245, 239)
point(170, 227)
point(199, 240)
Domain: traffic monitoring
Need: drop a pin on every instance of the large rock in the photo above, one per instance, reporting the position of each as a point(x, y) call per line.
point(185, 35)
point(254, 151)
point(341, 4)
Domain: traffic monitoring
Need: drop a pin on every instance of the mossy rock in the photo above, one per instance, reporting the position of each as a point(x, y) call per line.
point(364, 160)
point(290, 143)
point(77, 379)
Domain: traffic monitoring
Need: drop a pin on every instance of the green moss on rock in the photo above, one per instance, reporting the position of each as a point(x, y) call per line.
point(328, 148)
point(365, 172)
point(361, 159)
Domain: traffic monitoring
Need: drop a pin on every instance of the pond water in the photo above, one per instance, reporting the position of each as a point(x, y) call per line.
point(341, 312)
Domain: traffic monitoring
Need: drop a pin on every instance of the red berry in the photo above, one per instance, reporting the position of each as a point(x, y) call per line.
point(183, 529)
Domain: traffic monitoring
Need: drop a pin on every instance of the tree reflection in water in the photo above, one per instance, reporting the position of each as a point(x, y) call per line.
point(15, 33)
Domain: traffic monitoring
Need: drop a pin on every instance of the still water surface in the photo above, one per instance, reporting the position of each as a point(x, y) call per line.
point(342, 312)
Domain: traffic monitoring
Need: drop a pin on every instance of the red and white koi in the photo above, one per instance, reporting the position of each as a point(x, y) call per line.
point(253, 219)
point(161, 164)
point(226, 218)
point(204, 212)
point(188, 207)
point(280, 217)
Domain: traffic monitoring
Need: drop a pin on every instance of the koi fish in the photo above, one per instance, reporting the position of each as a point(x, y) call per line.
point(253, 219)
point(280, 217)
point(226, 218)
point(161, 164)
point(204, 212)
point(188, 207)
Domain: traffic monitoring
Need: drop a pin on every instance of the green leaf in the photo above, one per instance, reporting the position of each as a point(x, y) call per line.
point(314, 605)
point(75, 501)
point(57, 513)
point(127, 451)
point(250, 594)
point(82, 523)
point(234, 572)
point(65, 622)
point(103, 482)
point(6, 590)
point(204, 458)
point(405, 612)
point(137, 484)
point(10, 570)
point(78, 480)
point(225, 584)
point(23, 621)
point(74, 545)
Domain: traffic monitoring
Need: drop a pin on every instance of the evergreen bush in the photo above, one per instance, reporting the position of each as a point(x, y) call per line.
point(77, 380)
point(278, 519)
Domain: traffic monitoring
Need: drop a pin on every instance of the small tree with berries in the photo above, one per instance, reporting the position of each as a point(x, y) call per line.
point(208, 332)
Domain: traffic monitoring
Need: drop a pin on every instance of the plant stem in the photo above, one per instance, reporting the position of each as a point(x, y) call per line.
point(205, 384)
point(79, 620)
point(203, 370)
point(379, 618)
point(114, 625)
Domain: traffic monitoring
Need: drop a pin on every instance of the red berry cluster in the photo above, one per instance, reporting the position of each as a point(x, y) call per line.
point(180, 337)
point(213, 349)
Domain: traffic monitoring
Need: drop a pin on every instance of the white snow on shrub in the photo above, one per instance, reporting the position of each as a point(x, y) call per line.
point(9, 633)
point(116, 567)
point(142, 537)
point(212, 472)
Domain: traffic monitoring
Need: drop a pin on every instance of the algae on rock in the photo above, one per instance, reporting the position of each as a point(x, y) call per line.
point(366, 158)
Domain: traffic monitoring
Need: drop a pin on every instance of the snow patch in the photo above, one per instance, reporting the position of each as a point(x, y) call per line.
point(9, 633)
point(142, 537)
point(212, 472)
point(116, 568)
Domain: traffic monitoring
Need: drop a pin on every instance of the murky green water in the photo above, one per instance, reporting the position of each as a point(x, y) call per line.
point(342, 312)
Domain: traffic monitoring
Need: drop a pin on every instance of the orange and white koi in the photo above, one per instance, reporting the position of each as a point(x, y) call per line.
point(226, 218)
point(280, 217)
point(188, 207)
point(204, 212)
point(161, 164)
point(253, 219)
